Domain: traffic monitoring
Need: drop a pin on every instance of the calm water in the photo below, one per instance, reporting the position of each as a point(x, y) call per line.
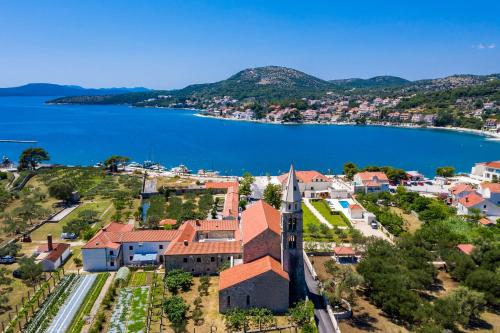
point(84, 135)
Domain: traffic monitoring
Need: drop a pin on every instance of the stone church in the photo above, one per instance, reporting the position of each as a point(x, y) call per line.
point(271, 272)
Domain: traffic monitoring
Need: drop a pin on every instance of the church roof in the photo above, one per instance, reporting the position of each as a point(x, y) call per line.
point(258, 218)
point(291, 192)
point(244, 272)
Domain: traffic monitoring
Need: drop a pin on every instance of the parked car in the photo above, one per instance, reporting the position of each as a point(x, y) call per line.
point(374, 225)
point(68, 235)
point(7, 260)
point(17, 274)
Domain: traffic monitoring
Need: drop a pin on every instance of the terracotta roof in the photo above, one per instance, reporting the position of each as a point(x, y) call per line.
point(212, 225)
point(107, 239)
point(305, 176)
point(493, 164)
point(221, 184)
point(461, 187)
point(370, 176)
point(355, 206)
point(471, 199)
point(258, 218)
point(243, 272)
point(466, 248)
point(344, 251)
point(56, 253)
point(168, 222)
point(180, 248)
point(231, 203)
point(118, 227)
point(485, 221)
point(493, 187)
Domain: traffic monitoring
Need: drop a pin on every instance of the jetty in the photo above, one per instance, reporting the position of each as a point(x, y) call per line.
point(19, 141)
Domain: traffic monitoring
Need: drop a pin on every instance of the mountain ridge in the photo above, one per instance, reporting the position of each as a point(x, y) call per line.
point(51, 89)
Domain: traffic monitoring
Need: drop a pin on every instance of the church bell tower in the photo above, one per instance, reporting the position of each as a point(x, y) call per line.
point(292, 259)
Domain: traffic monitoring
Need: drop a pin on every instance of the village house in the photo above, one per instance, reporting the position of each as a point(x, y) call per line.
point(486, 171)
point(52, 255)
point(490, 191)
point(458, 191)
point(476, 201)
point(312, 184)
point(368, 182)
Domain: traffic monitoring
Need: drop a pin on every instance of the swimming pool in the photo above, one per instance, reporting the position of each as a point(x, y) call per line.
point(344, 204)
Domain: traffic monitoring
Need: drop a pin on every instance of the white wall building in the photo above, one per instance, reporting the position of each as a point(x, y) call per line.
point(312, 184)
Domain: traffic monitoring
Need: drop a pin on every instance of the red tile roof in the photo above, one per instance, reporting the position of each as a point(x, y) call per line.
point(493, 187)
point(118, 227)
point(221, 184)
point(243, 272)
point(168, 222)
point(355, 206)
point(213, 225)
point(192, 248)
point(485, 221)
point(258, 218)
point(461, 187)
point(231, 203)
point(343, 251)
point(56, 253)
point(466, 248)
point(305, 176)
point(471, 199)
point(493, 164)
point(371, 176)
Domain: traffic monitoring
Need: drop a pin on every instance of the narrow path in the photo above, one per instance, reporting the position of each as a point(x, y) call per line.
point(98, 301)
point(104, 213)
point(316, 213)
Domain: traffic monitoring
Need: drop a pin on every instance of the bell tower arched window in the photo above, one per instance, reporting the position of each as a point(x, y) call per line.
point(292, 224)
point(292, 242)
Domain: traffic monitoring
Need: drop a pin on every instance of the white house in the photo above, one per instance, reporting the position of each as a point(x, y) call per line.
point(458, 191)
point(52, 255)
point(486, 171)
point(368, 182)
point(490, 191)
point(355, 211)
point(312, 184)
point(117, 244)
point(474, 200)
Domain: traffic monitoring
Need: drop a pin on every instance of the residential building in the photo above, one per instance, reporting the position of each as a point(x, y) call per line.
point(458, 191)
point(312, 184)
point(486, 171)
point(476, 201)
point(52, 255)
point(490, 191)
point(368, 182)
point(355, 211)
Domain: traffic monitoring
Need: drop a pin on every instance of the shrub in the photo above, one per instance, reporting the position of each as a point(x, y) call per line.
point(178, 279)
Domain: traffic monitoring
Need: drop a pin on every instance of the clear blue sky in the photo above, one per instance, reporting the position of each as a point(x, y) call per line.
point(169, 44)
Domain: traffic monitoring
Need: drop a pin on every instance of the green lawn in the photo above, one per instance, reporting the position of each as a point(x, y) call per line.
point(314, 230)
point(322, 207)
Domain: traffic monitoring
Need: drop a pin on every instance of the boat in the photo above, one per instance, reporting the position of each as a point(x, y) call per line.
point(180, 170)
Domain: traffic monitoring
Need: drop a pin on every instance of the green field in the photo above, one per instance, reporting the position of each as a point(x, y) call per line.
point(322, 207)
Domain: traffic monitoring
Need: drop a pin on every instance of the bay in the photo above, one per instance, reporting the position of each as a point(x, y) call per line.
point(87, 134)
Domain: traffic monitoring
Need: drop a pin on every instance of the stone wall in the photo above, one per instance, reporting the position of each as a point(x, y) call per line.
point(199, 263)
point(267, 243)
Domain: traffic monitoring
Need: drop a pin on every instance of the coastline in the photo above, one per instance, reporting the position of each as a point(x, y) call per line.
point(492, 136)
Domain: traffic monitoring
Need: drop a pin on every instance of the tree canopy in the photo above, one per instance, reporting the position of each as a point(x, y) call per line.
point(31, 157)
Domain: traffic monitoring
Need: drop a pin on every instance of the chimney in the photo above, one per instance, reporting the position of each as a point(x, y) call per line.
point(466, 199)
point(186, 242)
point(50, 247)
point(198, 223)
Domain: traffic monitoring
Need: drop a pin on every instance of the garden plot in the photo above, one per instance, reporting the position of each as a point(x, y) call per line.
point(129, 314)
point(68, 310)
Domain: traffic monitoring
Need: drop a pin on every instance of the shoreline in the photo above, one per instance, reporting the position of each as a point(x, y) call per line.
point(491, 135)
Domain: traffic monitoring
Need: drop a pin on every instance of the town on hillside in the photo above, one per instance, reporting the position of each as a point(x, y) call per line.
point(129, 247)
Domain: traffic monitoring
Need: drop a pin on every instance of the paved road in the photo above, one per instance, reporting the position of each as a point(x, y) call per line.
point(68, 310)
point(320, 314)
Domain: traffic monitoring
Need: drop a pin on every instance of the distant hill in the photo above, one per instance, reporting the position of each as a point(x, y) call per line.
point(374, 82)
point(49, 89)
point(271, 82)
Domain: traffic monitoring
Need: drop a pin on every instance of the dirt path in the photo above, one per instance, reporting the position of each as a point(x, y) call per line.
point(98, 301)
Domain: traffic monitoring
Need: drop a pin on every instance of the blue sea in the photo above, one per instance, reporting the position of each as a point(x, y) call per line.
point(85, 135)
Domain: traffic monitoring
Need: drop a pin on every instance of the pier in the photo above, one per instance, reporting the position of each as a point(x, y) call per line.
point(19, 141)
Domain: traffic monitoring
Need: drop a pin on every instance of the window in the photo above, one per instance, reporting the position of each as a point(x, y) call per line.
point(248, 300)
point(131, 258)
point(160, 246)
point(292, 241)
point(110, 253)
point(292, 224)
point(228, 301)
point(198, 259)
point(212, 259)
point(289, 207)
point(130, 247)
point(185, 260)
point(112, 263)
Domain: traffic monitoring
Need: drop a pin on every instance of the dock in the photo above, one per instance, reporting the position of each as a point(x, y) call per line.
point(19, 141)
